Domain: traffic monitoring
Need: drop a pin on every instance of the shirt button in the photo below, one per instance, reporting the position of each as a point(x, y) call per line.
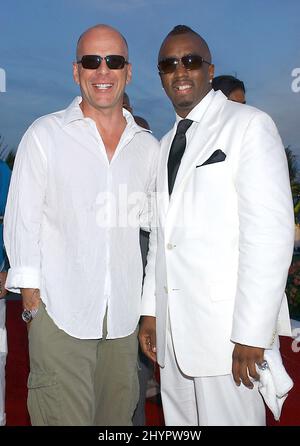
point(166, 289)
point(170, 246)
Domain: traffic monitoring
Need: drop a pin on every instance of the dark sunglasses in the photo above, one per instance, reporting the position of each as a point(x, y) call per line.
point(190, 62)
point(113, 61)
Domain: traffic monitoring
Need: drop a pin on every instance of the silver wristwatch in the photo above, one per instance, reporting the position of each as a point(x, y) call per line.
point(28, 315)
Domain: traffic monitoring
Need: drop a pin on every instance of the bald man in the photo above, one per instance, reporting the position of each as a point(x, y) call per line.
point(78, 197)
point(213, 295)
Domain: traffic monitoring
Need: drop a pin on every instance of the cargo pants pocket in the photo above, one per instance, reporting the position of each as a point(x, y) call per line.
point(44, 399)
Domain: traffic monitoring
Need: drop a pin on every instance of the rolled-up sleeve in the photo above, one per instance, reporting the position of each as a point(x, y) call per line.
point(24, 213)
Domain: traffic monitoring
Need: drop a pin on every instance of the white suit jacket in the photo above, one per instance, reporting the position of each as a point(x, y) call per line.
point(219, 259)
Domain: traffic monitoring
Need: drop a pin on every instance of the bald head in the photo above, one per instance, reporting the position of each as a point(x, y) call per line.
point(106, 31)
point(185, 30)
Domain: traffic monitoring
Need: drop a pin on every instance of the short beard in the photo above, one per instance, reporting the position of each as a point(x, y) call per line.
point(184, 104)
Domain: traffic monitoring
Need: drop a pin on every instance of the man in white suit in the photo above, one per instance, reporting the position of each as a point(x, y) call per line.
point(213, 297)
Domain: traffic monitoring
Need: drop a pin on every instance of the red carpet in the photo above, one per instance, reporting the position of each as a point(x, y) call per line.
point(17, 372)
point(17, 366)
point(154, 414)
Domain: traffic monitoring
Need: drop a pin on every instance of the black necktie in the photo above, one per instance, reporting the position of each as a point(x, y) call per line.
point(176, 151)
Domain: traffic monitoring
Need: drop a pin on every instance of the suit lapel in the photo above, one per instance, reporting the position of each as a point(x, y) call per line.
point(201, 146)
point(162, 179)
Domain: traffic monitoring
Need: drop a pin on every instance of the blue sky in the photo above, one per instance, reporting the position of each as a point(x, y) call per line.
point(259, 41)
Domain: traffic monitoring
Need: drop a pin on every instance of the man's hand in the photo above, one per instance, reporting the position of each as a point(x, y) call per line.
point(147, 337)
point(31, 298)
point(244, 359)
point(3, 291)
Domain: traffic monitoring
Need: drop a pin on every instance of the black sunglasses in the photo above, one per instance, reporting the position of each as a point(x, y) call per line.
point(113, 61)
point(190, 62)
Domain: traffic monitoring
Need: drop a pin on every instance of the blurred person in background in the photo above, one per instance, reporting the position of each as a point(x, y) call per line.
point(232, 87)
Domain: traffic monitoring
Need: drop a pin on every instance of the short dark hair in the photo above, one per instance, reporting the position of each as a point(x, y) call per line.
point(181, 29)
point(227, 84)
point(184, 29)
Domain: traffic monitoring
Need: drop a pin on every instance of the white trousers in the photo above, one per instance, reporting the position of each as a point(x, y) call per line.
point(206, 401)
point(3, 353)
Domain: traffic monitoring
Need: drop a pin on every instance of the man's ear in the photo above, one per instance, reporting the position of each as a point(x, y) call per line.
point(76, 73)
point(211, 71)
point(129, 74)
point(162, 84)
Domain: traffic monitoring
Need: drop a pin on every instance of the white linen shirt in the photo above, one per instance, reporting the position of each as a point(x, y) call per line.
point(72, 221)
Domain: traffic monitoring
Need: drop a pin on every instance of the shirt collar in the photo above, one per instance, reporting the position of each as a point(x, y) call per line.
point(131, 124)
point(198, 111)
point(74, 113)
